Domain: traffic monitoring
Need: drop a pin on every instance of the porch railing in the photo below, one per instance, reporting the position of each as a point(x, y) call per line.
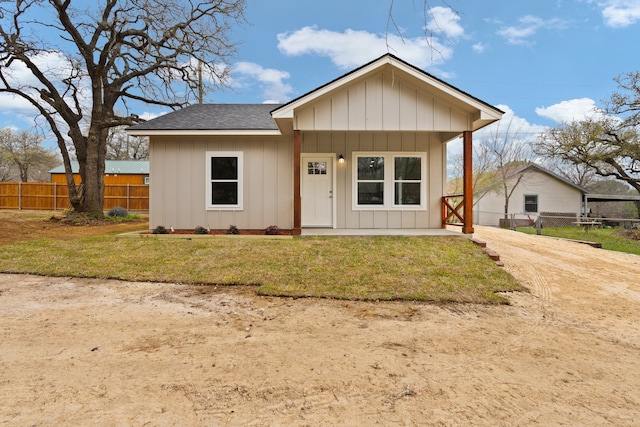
point(453, 210)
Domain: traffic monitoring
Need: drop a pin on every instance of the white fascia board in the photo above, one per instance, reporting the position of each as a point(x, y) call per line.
point(206, 132)
point(287, 111)
point(486, 118)
point(485, 112)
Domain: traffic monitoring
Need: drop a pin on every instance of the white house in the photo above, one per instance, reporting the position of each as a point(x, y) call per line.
point(538, 190)
point(366, 150)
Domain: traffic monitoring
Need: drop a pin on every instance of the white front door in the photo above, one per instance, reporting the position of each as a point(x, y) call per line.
point(317, 190)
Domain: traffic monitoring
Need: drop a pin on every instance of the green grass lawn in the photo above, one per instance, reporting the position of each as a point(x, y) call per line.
point(611, 238)
point(436, 269)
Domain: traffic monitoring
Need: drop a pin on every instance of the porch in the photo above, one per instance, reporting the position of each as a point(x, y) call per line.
point(449, 231)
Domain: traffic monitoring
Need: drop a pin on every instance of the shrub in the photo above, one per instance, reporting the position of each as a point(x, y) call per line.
point(160, 230)
point(272, 230)
point(201, 230)
point(118, 212)
point(233, 230)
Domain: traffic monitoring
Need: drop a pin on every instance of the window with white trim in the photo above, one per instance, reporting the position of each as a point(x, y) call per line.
point(531, 203)
point(224, 174)
point(389, 181)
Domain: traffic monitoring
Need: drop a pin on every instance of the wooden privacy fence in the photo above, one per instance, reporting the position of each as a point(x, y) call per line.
point(54, 196)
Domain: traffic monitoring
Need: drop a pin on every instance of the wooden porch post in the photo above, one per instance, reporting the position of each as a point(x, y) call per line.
point(297, 200)
point(467, 139)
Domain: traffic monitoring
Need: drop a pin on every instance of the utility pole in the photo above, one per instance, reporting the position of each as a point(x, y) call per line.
point(200, 88)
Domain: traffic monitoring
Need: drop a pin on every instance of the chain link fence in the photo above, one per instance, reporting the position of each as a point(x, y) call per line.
point(616, 234)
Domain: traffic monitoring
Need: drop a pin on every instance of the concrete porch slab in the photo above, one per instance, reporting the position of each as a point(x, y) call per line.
point(380, 232)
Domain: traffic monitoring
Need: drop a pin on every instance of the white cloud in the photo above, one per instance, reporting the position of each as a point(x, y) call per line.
point(620, 13)
point(445, 21)
point(570, 110)
point(515, 126)
point(147, 115)
point(274, 89)
point(56, 67)
point(518, 35)
point(479, 48)
point(527, 27)
point(53, 64)
point(15, 104)
point(353, 48)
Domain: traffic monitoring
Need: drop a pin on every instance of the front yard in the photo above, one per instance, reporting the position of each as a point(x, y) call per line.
point(435, 269)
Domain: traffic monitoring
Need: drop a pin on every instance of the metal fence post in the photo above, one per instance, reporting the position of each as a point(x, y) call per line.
point(539, 225)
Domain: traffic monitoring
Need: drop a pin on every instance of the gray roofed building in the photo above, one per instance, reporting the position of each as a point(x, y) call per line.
point(296, 165)
point(113, 166)
point(213, 117)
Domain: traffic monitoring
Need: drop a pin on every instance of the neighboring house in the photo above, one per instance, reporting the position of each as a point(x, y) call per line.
point(539, 190)
point(364, 151)
point(135, 172)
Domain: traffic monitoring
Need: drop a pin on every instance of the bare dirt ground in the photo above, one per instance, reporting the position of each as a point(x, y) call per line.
point(96, 352)
point(27, 225)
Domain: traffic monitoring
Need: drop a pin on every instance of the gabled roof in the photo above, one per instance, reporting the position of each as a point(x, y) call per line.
point(124, 167)
point(488, 113)
point(533, 166)
point(273, 119)
point(212, 118)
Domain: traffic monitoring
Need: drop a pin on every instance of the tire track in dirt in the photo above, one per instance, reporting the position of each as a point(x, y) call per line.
point(575, 284)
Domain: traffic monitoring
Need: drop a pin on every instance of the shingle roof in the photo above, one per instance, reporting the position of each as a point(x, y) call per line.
point(126, 167)
point(214, 117)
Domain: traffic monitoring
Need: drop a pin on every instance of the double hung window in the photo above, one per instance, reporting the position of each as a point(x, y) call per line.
point(531, 203)
point(389, 181)
point(224, 180)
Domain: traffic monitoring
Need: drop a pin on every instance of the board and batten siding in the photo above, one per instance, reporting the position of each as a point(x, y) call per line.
point(382, 102)
point(178, 194)
point(348, 142)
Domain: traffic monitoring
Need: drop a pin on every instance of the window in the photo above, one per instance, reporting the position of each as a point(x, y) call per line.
point(389, 181)
point(407, 180)
point(531, 203)
point(317, 168)
point(224, 180)
point(370, 180)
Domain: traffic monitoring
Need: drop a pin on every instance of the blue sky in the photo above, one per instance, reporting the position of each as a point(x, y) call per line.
point(542, 62)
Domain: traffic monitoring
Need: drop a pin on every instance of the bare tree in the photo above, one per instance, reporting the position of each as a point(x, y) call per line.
point(121, 146)
point(27, 154)
point(502, 153)
point(578, 174)
point(6, 165)
point(102, 56)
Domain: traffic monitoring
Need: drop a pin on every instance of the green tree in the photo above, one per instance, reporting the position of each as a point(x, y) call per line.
point(100, 57)
point(608, 142)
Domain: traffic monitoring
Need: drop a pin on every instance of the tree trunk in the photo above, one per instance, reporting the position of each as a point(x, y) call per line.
point(24, 173)
point(91, 170)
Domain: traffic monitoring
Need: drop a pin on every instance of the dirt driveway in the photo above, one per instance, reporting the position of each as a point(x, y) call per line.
point(95, 352)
